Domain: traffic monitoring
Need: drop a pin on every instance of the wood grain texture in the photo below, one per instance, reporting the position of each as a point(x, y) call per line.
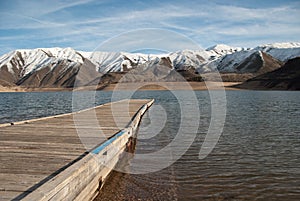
point(34, 151)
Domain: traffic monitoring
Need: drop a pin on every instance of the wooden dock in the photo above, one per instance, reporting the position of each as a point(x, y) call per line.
point(51, 158)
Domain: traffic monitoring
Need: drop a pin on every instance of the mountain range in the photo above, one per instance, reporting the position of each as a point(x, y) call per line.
point(64, 67)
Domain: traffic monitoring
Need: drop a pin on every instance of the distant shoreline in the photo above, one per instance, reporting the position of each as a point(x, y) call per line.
point(197, 86)
point(141, 86)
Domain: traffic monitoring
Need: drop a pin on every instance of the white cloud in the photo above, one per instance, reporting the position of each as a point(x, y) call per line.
point(204, 23)
point(159, 39)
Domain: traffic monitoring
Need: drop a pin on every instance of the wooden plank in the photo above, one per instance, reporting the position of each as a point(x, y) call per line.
point(33, 151)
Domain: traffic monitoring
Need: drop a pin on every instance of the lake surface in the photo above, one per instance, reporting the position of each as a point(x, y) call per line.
point(257, 157)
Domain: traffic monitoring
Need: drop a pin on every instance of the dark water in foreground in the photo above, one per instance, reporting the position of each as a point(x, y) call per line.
point(256, 158)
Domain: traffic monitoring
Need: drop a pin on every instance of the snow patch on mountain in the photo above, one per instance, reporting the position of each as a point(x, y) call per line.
point(114, 61)
point(222, 49)
point(229, 62)
point(281, 51)
point(280, 45)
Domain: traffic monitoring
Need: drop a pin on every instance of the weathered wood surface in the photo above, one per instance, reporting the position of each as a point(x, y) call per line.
point(32, 152)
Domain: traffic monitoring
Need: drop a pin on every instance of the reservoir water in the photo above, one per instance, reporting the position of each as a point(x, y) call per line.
point(257, 156)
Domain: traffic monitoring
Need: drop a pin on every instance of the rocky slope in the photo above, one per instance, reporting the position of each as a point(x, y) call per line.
point(285, 78)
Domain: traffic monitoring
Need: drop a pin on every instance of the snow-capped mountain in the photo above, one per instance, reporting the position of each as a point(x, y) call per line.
point(281, 51)
point(18, 65)
point(116, 61)
point(59, 66)
point(244, 61)
point(29, 60)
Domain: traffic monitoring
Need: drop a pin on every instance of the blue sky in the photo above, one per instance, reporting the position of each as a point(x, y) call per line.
point(85, 24)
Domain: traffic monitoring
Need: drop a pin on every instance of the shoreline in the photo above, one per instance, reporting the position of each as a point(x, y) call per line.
point(159, 86)
point(140, 86)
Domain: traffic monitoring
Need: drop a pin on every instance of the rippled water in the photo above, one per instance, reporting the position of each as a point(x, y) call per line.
point(256, 158)
point(19, 106)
